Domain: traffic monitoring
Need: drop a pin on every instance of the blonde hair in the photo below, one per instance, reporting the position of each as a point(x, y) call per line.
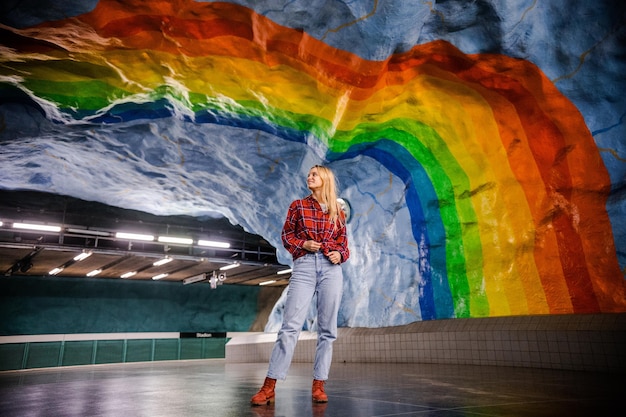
point(329, 193)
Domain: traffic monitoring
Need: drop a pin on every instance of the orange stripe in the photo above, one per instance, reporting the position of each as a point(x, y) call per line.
point(595, 284)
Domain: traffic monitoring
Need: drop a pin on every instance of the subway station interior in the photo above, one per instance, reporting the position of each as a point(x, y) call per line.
point(149, 152)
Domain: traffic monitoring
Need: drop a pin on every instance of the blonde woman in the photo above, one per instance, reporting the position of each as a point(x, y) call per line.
point(315, 235)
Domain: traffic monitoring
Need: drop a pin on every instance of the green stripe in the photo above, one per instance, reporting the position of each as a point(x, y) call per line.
point(463, 249)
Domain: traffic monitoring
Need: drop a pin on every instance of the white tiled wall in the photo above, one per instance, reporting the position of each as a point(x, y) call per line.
point(592, 342)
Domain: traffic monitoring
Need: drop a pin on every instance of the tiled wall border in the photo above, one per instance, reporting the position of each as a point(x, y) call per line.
point(46, 351)
point(582, 342)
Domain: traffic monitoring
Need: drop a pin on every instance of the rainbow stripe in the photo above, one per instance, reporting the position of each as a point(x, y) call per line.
point(505, 183)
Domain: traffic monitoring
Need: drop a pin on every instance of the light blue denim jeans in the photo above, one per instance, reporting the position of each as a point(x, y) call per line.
point(312, 273)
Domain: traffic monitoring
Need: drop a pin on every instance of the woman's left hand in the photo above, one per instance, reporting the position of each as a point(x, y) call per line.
point(334, 257)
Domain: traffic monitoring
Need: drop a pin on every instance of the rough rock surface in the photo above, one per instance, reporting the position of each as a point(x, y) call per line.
point(480, 144)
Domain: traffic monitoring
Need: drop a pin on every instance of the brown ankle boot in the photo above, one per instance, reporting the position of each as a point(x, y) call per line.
point(319, 396)
point(265, 394)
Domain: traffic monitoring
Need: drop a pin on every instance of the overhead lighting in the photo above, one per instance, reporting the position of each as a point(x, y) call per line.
point(128, 274)
point(197, 278)
point(81, 256)
point(94, 272)
point(133, 236)
point(163, 261)
point(160, 276)
point(55, 271)
point(40, 227)
point(180, 240)
point(267, 282)
point(214, 244)
point(87, 232)
point(284, 271)
point(231, 266)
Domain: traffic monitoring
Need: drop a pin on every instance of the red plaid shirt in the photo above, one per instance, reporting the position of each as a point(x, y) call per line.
point(306, 221)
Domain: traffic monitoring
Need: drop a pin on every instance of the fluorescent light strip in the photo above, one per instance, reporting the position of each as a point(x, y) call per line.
point(193, 279)
point(231, 266)
point(128, 274)
point(55, 271)
point(171, 239)
point(40, 227)
point(87, 232)
point(163, 261)
point(133, 236)
point(82, 256)
point(267, 282)
point(214, 244)
point(94, 272)
point(284, 271)
point(160, 276)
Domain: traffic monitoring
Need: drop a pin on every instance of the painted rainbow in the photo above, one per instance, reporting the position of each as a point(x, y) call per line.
point(495, 157)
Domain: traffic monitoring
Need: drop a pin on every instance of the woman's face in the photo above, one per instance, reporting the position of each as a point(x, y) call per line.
point(313, 180)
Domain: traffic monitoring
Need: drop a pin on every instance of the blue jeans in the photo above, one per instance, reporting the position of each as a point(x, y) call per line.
point(312, 273)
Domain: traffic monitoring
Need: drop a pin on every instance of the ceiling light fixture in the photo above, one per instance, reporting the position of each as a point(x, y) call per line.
point(160, 276)
point(55, 271)
point(133, 236)
point(230, 266)
point(197, 278)
point(94, 272)
point(25, 264)
point(214, 244)
point(87, 232)
point(163, 261)
point(267, 282)
point(81, 256)
point(39, 227)
point(284, 271)
point(171, 239)
point(128, 274)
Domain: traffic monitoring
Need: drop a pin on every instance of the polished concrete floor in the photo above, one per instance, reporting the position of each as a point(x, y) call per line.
point(215, 388)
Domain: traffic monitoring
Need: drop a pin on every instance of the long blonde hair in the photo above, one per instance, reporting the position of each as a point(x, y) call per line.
point(329, 193)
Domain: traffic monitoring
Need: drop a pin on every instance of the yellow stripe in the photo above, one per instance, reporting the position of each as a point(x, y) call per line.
point(458, 113)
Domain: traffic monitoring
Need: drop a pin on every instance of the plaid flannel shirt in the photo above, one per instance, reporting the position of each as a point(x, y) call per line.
point(307, 221)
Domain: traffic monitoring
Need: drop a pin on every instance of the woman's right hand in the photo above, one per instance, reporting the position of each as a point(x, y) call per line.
point(312, 246)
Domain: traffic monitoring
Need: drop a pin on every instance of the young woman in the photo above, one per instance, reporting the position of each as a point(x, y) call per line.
point(315, 235)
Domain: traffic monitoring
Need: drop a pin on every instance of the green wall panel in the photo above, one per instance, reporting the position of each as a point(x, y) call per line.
point(77, 352)
point(214, 348)
point(87, 352)
point(110, 351)
point(58, 305)
point(139, 350)
point(43, 355)
point(166, 349)
point(12, 356)
point(191, 348)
